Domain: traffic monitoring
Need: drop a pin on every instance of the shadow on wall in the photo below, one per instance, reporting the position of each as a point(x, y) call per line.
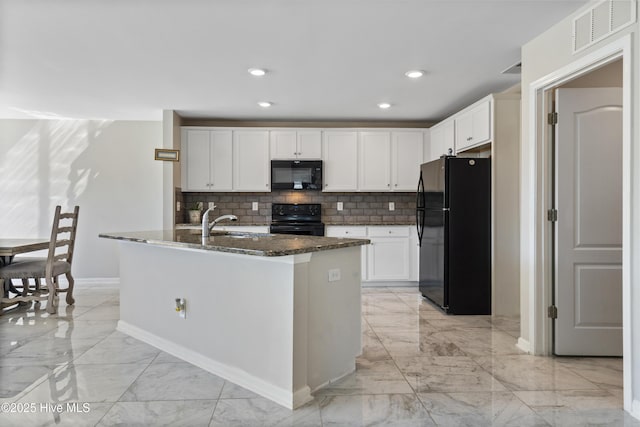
point(40, 168)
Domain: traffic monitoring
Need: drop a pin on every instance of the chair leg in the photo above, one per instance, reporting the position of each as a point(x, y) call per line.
point(70, 299)
point(51, 300)
point(25, 291)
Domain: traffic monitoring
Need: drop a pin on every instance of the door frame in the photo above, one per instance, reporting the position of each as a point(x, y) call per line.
point(536, 163)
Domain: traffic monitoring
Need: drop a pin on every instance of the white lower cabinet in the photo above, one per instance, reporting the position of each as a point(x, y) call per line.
point(392, 254)
point(388, 257)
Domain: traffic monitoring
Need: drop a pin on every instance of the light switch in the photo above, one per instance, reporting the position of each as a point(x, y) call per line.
point(254, 206)
point(178, 206)
point(392, 206)
point(339, 206)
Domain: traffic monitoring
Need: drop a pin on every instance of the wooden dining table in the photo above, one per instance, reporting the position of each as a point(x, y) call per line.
point(12, 247)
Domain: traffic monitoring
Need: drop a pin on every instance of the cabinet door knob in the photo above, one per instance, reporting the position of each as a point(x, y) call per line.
point(469, 138)
point(396, 185)
point(388, 185)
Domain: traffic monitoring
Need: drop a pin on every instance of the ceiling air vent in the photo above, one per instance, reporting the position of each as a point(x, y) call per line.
point(601, 20)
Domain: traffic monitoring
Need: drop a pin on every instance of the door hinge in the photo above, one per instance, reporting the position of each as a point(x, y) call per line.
point(552, 312)
point(552, 215)
point(552, 118)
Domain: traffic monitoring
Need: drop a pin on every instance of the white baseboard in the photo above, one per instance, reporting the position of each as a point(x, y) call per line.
point(302, 396)
point(402, 284)
point(334, 380)
point(98, 282)
point(92, 282)
point(635, 409)
point(524, 345)
point(281, 396)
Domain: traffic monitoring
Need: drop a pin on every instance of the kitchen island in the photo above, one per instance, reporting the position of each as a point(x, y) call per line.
point(277, 314)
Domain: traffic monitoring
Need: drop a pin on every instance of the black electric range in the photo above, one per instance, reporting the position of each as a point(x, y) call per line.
point(297, 218)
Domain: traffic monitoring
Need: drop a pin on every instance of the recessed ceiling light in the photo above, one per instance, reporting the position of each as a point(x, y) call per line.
point(384, 105)
point(414, 74)
point(265, 104)
point(258, 72)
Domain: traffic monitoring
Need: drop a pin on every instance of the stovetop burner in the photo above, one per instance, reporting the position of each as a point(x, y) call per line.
point(296, 212)
point(298, 218)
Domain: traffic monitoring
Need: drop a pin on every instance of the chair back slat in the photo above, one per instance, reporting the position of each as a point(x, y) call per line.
point(60, 257)
point(65, 230)
point(65, 242)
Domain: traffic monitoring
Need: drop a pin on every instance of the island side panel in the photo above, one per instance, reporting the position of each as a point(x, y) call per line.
point(239, 312)
point(335, 321)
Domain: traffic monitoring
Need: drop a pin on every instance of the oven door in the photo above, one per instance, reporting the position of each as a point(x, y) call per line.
point(303, 229)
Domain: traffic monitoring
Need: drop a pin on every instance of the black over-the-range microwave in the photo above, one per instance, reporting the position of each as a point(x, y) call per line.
point(296, 174)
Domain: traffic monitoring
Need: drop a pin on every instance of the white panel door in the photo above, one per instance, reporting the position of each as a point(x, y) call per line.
point(589, 227)
point(196, 161)
point(375, 161)
point(406, 157)
point(251, 165)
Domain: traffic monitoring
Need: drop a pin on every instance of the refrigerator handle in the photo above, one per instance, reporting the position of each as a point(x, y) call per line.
point(420, 205)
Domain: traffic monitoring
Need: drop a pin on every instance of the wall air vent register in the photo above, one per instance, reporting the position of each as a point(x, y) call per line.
point(602, 20)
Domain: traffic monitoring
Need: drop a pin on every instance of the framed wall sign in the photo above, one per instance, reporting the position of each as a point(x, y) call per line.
point(167, 155)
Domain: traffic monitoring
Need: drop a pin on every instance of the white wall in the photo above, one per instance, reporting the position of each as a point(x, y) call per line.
point(105, 167)
point(541, 58)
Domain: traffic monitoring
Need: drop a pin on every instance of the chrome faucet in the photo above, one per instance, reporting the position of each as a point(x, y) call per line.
point(206, 227)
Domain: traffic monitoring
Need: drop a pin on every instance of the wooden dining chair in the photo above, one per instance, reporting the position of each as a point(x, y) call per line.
point(57, 262)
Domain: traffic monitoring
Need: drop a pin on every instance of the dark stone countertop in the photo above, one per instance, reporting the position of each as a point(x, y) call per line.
point(327, 224)
point(236, 242)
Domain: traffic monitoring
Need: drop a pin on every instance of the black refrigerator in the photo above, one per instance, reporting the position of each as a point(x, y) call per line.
point(453, 216)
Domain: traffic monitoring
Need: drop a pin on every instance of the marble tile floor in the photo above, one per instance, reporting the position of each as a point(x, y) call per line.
point(419, 367)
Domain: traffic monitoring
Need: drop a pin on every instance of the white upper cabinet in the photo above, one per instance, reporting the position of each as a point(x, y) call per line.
point(473, 127)
point(340, 160)
point(309, 144)
point(206, 160)
point(406, 157)
point(374, 165)
point(442, 140)
point(195, 155)
point(389, 160)
point(221, 164)
point(251, 166)
point(238, 159)
point(296, 144)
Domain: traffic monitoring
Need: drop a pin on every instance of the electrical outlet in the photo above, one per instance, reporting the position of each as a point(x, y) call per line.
point(177, 206)
point(392, 206)
point(339, 206)
point(254, 206)
point(212, 205)
point(334, 275)
point(181, 308)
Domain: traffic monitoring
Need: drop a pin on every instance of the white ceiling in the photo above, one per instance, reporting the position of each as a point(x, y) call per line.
point(327, 59)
